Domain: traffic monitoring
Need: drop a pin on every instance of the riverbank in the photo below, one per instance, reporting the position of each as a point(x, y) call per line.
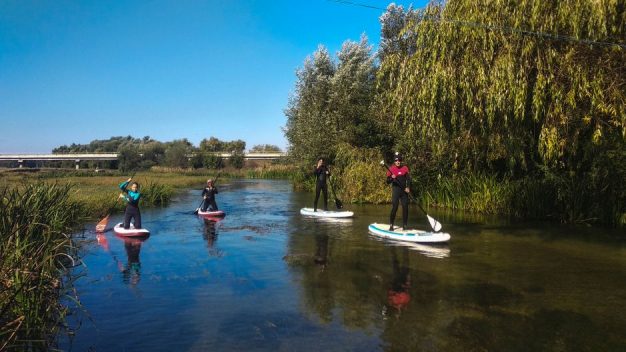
point(40, 208)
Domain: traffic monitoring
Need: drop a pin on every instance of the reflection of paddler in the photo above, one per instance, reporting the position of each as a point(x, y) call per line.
point(398, 295)
point(321, 253)
point(131, 272)
point(210, 233)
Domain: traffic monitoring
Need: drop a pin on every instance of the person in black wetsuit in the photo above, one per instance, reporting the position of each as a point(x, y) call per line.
point(131, 197)
point(208, 193)
point(322, 173)
point(398, 177)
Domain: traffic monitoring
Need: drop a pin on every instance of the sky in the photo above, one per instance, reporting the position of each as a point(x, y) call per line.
point(75, 71)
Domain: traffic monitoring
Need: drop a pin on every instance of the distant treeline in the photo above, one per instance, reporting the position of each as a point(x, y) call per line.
point(143, 153)
point(508, 107)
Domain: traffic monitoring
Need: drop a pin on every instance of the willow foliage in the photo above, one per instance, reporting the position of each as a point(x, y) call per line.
point(512, 88)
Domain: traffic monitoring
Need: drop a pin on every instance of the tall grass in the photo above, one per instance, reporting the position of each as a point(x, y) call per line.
point(483, 194)
point(272, 172)
point(35, 253)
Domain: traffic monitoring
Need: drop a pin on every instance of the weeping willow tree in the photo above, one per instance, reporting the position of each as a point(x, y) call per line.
point(331, 103)
point(518, 89)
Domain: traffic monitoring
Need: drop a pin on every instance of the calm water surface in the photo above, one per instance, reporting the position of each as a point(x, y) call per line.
point(266, 279)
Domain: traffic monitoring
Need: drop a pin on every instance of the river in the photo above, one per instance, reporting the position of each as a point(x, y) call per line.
point(265, 278)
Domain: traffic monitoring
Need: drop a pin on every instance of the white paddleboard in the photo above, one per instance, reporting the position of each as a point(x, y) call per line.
point(120, 230)
point(326, 213)
point(409, 235)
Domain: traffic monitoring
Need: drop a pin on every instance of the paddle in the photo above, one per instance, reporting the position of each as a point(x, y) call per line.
point(338, 203)
point(102, 224)
point(434, 224)
point(195, 212)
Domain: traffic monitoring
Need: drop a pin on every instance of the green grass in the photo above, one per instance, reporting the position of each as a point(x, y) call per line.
point(36, 252)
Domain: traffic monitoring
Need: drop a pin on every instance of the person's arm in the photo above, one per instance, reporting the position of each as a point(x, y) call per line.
point(215, 188)
point(389, 177)
point(124, 185)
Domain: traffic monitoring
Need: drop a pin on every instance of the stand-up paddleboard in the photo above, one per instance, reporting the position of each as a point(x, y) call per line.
point(132, 231)
point(326, 213)
point(410, 235)
point(210, 213)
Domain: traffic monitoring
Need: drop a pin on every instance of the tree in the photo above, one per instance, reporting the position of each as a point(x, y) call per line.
point(176, 154)
point(211, 145)
point(128, 158)
point(265, 148)
point(310, 126)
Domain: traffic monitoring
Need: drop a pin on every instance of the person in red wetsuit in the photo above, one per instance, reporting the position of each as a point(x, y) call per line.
point(398, 177)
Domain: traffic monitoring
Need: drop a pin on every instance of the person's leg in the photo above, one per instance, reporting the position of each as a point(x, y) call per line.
point(127, 216)
point(325, 190)
point(318, 188)
point(213, 206)
point(137, 217)
point(205, 205)
point(405, 209)
point(395, 198)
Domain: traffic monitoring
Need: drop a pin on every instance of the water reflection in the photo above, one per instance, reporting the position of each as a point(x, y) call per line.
point(506, 288)
point(398, 295)
point(131, 272)
point(439, 251)
point(210, 236)
point(321, 253)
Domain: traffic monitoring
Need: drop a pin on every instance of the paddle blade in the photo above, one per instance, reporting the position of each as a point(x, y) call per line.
point(436, 225)
point(102, 224)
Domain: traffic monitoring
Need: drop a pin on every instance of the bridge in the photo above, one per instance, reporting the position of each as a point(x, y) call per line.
point(77, 158)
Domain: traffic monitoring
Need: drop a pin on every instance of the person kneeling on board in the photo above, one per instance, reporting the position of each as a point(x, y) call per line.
point(398, 177)
point(208, 194)
point(132, 203)
point(322, 173)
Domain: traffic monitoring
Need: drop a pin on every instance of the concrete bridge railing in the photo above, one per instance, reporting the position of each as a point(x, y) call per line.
point(77, 158)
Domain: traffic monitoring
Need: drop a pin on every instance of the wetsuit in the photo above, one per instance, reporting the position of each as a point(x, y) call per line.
point(322, 174)
point(209, 202)
point(132, 207)
point(398, 194)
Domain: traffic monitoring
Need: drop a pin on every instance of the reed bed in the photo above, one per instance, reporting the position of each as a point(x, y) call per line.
point(35, 255)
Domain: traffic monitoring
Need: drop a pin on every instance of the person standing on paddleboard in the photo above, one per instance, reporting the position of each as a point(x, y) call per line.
point(208, 193)
point(398, 177)
point(132, 203)
point(322, 173)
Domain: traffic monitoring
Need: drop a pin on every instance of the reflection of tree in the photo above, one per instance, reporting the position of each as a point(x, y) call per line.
point(337, 282)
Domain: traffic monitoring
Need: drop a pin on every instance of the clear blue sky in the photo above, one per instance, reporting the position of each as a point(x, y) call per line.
point(74, 71)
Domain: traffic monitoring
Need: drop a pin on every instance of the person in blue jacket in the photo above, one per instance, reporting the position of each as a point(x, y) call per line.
point(131, 197)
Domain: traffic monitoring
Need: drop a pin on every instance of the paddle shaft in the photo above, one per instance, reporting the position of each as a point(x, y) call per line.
point(338, 202)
